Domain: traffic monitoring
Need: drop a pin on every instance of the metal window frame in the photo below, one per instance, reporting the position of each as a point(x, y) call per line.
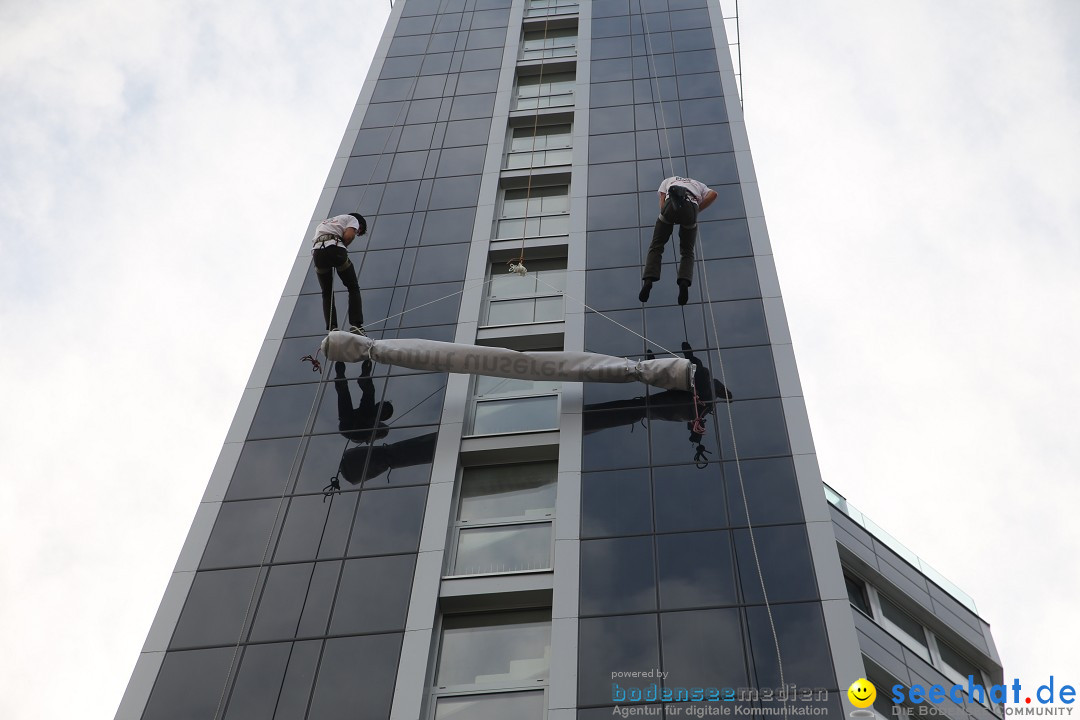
point(946, 669)
point(544, 51)
point(935, 660)
point(489, 302)
point(898, 632)
point(554, 7)
point(436, 691)
point(490, 298)
point(538, 152)
point(436, 695)
point(864, 586)
point(502, 217)
point(566, 97)
point(451, 572)
point(536, 189)
point(458, 524)
point(474, 401)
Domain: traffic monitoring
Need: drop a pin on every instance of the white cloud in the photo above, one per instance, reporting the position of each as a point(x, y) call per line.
point(921, 202)
point(161, 165)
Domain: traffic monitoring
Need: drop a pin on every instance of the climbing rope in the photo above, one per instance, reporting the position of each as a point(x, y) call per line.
point(601, 314)
point(432, 302)
point(704, 276)
point(316, 367)
point(518, 266)
point(293, 467)
point(313, 357)
point(698, 425)
point(666, 141)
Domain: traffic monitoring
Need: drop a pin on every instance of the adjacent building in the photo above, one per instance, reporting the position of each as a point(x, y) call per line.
point(521, 549)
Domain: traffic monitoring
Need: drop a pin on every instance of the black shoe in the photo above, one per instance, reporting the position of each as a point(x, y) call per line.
point(722, 392)
point(646, 288)
point(339, 370)
point(684, 292)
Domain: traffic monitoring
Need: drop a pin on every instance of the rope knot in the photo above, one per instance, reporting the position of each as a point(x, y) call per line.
point(697, 426)
point(332, 488)
point(313, 358)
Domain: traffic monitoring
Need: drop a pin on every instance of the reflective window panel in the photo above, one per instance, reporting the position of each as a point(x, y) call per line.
point(356, 672)
point(494, 649)
point(617, 576)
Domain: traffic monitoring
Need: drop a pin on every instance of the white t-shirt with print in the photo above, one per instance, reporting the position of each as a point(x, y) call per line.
point(336, 226)
point(697, 189)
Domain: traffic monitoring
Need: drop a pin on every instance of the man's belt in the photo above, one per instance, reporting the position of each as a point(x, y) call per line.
point(684, 192)
point(328, 239)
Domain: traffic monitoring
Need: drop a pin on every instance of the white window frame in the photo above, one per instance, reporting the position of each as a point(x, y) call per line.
point(439, 694)
point(947, 670)
point(923, 650)
point(546, 518)
point(546, 8)
point(554, 43)
point(541, 292)
point(477, 399)
point(865, 593)
point(874, 596)
point(535, 194)
point(541, 145)
point(447, 691)
point(551, 90)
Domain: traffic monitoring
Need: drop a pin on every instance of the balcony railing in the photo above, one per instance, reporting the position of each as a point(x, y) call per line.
point(840, 503)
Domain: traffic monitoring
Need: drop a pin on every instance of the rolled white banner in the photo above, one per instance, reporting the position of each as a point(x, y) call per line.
point(666, 373)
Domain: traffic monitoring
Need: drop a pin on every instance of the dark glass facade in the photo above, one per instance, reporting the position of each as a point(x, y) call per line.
point(670, 568)
point(408, 545)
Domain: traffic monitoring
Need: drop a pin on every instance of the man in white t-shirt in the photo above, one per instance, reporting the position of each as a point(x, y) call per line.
point(330, 252)
point(680, 200)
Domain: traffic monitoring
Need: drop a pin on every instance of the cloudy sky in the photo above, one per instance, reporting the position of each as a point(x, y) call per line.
point(919, 164)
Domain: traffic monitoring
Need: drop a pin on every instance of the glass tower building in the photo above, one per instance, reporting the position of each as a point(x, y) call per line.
point(387, 543)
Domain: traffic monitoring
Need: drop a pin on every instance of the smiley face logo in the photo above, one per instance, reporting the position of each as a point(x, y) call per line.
point(862, 693)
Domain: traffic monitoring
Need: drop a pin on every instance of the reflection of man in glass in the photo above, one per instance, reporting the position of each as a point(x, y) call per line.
point(669, 405)
point(708, 389)
point(383, 458)
point(362, 424)
point(358, 423)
